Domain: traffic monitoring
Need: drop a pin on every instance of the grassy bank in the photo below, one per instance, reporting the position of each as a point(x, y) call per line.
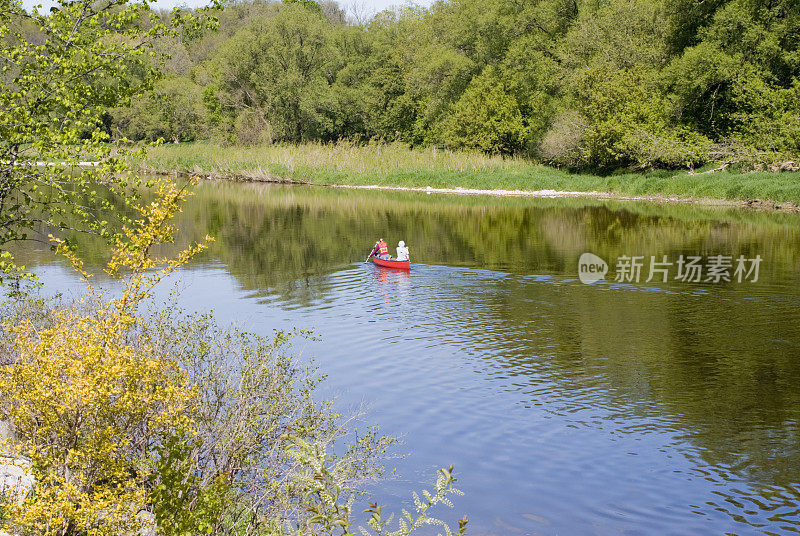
point(397, 165)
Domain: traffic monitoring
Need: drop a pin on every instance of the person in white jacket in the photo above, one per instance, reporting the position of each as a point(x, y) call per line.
point(402, 251)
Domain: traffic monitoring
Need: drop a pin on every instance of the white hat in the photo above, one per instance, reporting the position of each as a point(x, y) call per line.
point(401, 244)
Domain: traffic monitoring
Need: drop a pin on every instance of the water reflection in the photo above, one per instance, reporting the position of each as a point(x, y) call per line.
point(603, 409)
point(393, 286)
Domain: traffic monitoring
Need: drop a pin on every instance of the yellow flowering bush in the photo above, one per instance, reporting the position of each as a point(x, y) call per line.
point(89, 400)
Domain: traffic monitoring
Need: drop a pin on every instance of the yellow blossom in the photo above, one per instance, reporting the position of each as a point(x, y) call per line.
point(89, 401)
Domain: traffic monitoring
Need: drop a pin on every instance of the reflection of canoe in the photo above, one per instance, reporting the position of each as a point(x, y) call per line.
point(399, 265)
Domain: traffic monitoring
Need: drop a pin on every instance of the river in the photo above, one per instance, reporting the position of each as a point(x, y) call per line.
point(620, 407)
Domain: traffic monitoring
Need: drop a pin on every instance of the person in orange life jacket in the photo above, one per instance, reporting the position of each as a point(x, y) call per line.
point(381, 250)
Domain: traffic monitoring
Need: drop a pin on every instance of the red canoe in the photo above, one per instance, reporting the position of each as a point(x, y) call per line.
point(398, 265)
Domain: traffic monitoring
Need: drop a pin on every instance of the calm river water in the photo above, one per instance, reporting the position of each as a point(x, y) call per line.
point(613, 408)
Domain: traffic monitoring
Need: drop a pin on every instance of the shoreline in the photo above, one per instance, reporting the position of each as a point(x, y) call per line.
point(270, 178)
point(608, 196)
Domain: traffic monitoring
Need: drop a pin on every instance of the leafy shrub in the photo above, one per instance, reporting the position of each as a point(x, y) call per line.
point(486, 117)
point(562, 144)
point(172, 110)
point(135, 420)
point(88, 402)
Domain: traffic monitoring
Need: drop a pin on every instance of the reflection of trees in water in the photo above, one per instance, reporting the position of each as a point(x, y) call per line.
point(269, 235)
point(720, 369)
point(727, 371)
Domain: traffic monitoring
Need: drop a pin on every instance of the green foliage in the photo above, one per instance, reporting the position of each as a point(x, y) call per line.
point(60, 71)
point(628, 124)
point(486, 117)
point(330, 504)
point(5, 512)
point(623, 83)
point(11, 272)
point(310, 5)
point(283, 93)
point(181, 503)
point(701, 81)
point(409, 522)
point(173, 110)
point(739, 81)
point(766, 117)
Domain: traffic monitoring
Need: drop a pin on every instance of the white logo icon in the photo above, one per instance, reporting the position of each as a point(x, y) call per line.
point(591, 268)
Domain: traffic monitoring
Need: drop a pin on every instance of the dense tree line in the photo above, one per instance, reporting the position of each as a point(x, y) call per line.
point(600, 83)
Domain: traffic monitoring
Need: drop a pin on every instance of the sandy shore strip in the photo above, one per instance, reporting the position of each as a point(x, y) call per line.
point(555, 194)
point(261, 176)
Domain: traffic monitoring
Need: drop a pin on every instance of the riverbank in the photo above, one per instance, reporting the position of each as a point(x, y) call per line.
point(396, 166)
point(612, 196)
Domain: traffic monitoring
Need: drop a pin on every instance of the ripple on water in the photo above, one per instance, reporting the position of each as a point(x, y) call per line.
point(563, 409)
point(491, 394)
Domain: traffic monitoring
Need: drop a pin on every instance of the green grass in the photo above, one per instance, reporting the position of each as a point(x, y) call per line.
point(397, 165)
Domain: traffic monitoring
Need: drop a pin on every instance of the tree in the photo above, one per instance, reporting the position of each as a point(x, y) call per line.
point(276, 74)
point(739, 82)
point(707, 76)
point(486, 117)
point(59, 71)
point(172, 110)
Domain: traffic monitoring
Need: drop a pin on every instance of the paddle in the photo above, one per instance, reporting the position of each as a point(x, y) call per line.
point(371, 252)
